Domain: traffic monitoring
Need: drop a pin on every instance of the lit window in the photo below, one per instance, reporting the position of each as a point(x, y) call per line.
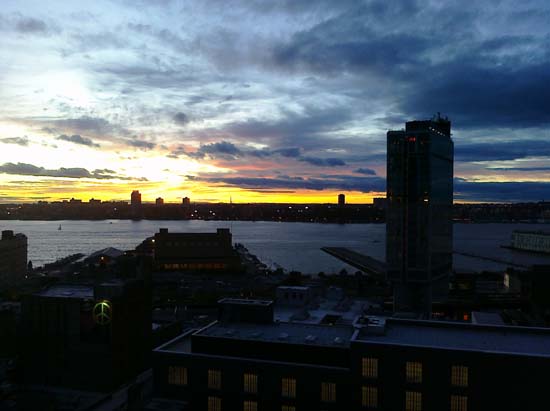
point(250, 406)
point(414, 372)
point(215, 379)
point(459, 376)
point(369, 397)
point(413, 401)
point(288, 408)
point(370, 367)
point(214, 404)
point(288, 387)
point(459, 403)
point(250, 383)
point(177, 375)
point(328, 392)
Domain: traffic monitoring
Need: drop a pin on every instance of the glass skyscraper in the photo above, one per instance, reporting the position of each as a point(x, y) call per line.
point(419, 228)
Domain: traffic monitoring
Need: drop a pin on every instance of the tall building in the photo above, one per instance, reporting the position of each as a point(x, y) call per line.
point(186, 201)
point(13, 259)
point(341, 199)
point(247, 361)
point(135, 198)
point(159, 201)
point(89, 337)
point(419, 229)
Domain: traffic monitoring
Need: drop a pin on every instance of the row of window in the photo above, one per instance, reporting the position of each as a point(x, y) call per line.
point(413, 372)
point(194, 266)
point(413, 400)
point(178, 376)
point(191, 244)
point(369, 394)
point(215, 404)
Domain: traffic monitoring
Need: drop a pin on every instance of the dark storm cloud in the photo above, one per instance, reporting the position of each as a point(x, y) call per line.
point(500, 81)
point(520, 191)
point(181, 118)
point(145, 145)
point(324, 162)
point(534, 168)
point(499, 150)
point(366, 171)
point(78, 139)
point(26, 169)
point(289, 152)
point(96, 125)
point(504, 95)
point(31, 25)
point(20, 141)
point(350, 183)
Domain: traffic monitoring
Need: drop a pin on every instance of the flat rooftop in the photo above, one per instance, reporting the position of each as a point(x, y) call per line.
point(286, 333)
point(464, 337)
point(68, 291)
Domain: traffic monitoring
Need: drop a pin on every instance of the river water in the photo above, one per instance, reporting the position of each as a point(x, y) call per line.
point(294, 246)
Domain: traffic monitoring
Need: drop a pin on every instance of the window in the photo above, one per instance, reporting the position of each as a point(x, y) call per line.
point(369, 397)
point(215, 379)
point(459, 403)
point(214, 404)
point(328, 392)
point(250, 406)
point(288, 387)
point(413, 401)
point(370, 367)
point(250, 383)
point(288, 408)
point(459, 376)
point(177, 375)
point(414, 372)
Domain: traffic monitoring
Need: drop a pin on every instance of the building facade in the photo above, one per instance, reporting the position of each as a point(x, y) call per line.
point(135, 198)
point(195, 251)
point(419, 240)
point(13, 259)
point(341, 199)
point(238, 363)
point(89, 337)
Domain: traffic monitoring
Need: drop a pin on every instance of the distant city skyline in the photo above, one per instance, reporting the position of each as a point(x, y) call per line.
point(267, 101)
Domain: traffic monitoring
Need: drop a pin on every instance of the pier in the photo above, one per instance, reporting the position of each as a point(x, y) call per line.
point(369, 265)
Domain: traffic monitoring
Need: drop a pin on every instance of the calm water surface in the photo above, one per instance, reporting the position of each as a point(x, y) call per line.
point(294, 246)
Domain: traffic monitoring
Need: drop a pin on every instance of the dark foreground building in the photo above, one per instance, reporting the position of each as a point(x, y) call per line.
point(245, 361)
point(86, 337)
point(212, 252)
point(13, 259)
point(419, 227)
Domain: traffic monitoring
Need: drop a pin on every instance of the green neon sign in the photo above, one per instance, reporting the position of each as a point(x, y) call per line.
point(102, 312)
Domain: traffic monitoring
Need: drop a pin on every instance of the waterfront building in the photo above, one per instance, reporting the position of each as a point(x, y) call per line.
point(419, 229)
point(135, 198)
point(535, 241)
point(243, 361)
point(89, 337)
point(195, 251)
point(186, 201)
point(13, 259)
point(159, 201)
point(341, 199)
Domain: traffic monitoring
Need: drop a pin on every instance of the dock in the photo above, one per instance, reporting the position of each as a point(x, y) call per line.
point(368, 265)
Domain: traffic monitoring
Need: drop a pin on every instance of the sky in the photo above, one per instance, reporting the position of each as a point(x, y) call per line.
point(267, 101)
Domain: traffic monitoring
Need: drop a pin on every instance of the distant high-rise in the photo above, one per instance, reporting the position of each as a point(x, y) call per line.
point(159, 201)
point(13, 259)
point(135, 198)
point(341, 199)
point(419, 229)
point(186, 201)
